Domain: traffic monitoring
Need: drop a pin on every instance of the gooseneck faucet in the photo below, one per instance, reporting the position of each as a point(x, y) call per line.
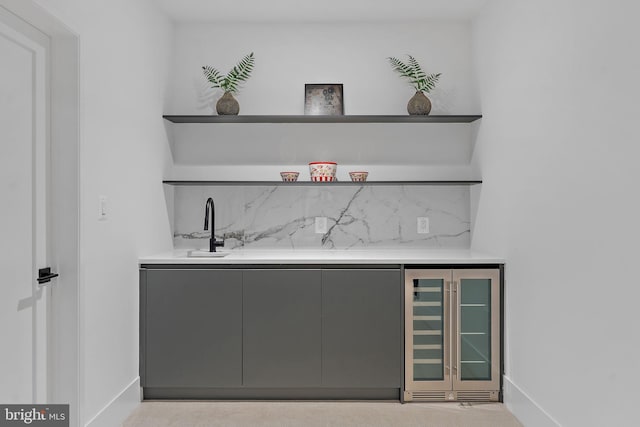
point(210, 207)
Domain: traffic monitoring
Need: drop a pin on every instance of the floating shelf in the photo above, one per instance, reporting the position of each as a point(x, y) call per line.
point(322, 184)
point(323, 119)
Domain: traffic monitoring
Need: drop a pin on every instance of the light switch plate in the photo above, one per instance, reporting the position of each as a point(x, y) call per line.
point(102, 208)
point(321, 224)
point(423, 225)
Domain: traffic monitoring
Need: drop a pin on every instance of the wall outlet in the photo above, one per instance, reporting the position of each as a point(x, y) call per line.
point(102, 208)
point(321, 224)
point(423, 225)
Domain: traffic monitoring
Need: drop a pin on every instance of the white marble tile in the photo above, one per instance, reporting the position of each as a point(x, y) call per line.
point(284, 217)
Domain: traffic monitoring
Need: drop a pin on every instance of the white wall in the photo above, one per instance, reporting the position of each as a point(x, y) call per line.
point(290, 55)
point(124, 57)
point(558, 152)
point(355, 54)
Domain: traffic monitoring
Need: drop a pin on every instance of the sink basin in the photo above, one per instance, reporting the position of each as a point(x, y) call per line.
point(206, 254)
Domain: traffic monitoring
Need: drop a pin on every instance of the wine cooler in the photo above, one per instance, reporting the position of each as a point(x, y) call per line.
point(452, 341)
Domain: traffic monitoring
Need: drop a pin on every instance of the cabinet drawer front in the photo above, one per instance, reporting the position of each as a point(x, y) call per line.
point(281, 333)
point(193, 326)
point(361, 328)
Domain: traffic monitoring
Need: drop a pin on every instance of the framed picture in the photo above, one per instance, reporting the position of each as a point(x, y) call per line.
point(323, 99)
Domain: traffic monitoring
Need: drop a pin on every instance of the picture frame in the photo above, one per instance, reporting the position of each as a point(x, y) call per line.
point(323, 99)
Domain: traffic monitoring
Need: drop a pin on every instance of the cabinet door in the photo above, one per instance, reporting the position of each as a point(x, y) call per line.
point(427, 330)
point(476, 317)
point(193, 327)
point(361, 328)
point(281, 334)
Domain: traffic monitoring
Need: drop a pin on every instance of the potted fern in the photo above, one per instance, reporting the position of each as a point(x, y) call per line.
point(419, 104)
point(230, 84)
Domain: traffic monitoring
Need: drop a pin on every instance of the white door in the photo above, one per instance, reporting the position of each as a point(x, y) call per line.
point(24, 128)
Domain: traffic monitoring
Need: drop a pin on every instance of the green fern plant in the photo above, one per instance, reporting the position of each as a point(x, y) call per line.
point(412, 71)
point(231, 82)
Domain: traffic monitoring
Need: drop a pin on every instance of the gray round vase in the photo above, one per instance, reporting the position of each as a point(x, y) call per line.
point(419, 105)
point(227, 105)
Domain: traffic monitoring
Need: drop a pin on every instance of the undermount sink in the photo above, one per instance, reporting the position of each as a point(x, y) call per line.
point(206, 254)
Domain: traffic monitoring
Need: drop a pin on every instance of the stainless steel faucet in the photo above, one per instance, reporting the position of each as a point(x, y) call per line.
point(210, 207)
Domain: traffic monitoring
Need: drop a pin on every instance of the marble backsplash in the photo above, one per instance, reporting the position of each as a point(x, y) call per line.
point(261, 217)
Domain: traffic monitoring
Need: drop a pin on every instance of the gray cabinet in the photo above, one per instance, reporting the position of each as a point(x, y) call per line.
point(361, 328)
point(312, 332)
point(281, 328)
point(191, 331)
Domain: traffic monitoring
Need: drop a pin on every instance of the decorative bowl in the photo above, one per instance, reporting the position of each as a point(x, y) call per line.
point(323, 171)
point(289, 176)
point(358, 176)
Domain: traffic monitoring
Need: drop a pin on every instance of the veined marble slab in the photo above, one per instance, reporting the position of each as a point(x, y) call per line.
point(281, 217)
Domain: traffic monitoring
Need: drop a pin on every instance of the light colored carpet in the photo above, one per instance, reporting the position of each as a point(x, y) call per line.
point(319, 414)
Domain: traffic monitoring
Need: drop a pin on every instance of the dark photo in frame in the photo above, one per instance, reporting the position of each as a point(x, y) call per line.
point(323, 99)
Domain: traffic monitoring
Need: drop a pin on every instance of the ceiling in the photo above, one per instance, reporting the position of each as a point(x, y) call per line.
point(256, 11)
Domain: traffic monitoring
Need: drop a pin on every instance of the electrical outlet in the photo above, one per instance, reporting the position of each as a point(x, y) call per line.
point(102, 208)
point(423, 225)
point(321, 224)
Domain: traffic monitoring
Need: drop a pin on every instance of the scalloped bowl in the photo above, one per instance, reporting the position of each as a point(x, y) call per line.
point(358, 176)
point(289, 176)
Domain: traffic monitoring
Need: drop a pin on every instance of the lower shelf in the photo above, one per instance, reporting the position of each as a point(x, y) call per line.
point(326, 184)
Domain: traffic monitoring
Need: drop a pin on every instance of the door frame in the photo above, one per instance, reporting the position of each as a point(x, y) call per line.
point(64, 364)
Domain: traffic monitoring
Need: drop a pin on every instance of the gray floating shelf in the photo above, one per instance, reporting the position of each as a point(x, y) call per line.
point(322, 184)
point(324, 119)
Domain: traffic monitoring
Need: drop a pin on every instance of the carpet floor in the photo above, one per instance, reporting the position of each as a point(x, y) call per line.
point(319, 414)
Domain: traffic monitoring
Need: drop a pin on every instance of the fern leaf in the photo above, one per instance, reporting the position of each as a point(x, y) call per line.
point(213, 76)
point(240, 72)
point(430, 81)
point(415, 67)
point(230, 83)
point(415, 74)
point(400, 67)
point(420, 79)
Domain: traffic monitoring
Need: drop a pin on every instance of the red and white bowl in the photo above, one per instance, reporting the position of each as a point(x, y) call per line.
point(358, 176)
point(289, 176)
point(323, 171)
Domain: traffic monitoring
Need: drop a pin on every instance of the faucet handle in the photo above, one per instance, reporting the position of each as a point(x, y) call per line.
point(213, 244)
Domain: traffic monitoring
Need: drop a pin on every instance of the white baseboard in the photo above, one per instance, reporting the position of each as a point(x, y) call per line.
point(120, 407)
point(526, 410)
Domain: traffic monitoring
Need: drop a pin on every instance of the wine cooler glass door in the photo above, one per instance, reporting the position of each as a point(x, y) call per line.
point(427, 328)
point(476, 355)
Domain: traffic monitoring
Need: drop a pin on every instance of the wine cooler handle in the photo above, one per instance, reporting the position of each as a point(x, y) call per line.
point(455, 333)
point(447, 329)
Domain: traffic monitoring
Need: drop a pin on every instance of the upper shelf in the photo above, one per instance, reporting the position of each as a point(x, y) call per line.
point(323, 119)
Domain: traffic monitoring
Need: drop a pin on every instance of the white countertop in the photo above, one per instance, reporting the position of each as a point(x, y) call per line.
point(329, 256)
